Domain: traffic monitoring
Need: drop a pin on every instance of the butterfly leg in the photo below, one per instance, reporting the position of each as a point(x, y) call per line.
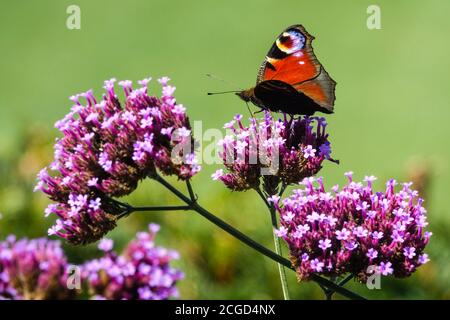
point(292, 118)
point(256, 112)
point(249, 111)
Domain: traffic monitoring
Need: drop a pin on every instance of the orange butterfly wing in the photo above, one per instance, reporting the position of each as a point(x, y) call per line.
point(291, 59)
point(320, 89)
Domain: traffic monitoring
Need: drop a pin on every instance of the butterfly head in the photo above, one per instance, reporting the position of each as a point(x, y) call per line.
point(246, 95)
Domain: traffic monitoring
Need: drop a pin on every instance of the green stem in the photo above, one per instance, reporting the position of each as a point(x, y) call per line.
point(329, 292)
point(346, 279)
point(191, 191)
point(283, 188)
point(281, 270)
point(276, 240)
point(161, 208)
point(128, 209)
point(263, 197)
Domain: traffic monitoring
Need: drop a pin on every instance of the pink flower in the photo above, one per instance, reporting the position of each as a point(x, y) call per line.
point(142, 272)
point(270, 152)
point(332, 229)
point(385, 268)
point(316, 265)
point(33, 269)
point(324, 244)
point(106, 149)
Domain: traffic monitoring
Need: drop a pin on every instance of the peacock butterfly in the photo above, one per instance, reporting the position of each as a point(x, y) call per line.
point(291, 79)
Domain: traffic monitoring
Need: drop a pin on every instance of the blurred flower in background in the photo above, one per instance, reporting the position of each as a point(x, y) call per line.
point(37, 269)
point(141, 272)
point(348, 230)
point(106, 149)
point(33, 269)
point(6, 290)
point(419, 171)
point(274, 151)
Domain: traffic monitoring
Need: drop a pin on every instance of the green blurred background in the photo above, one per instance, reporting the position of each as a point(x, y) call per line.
point(390, 121)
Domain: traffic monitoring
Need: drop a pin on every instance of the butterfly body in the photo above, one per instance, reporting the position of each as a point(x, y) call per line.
point(291, 79)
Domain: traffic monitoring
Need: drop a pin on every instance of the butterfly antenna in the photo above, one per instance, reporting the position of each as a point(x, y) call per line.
point(222, 92)
point(211, 76)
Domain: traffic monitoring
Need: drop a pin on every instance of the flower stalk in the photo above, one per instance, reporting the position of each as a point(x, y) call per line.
point(277, 242)
point(282, 272)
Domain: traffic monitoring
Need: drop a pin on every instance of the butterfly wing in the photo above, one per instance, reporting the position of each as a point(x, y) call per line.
point(320, 89)
point(291, 59)
point(277, 95)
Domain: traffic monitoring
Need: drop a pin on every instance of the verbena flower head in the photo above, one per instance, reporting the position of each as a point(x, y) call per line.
point(106, 149)
point(141, 272)
point(7, 292)
point(33, 269)
point(272, 151)
point(348, 230)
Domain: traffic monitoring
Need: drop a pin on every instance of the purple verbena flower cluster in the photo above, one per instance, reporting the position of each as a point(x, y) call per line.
point(275, 150)
point(33, 269)
point(6, 290)
point(349, 230)
point(141, 272)
point(106, 149)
